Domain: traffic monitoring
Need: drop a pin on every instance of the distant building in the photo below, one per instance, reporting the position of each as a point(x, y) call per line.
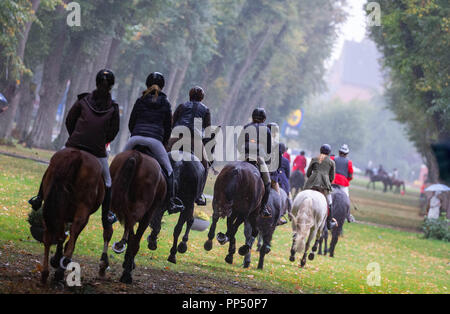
point(356, 74)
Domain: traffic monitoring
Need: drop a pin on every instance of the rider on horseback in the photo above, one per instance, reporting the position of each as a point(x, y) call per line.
point(256, 149)
point(150, 126)
point(320, 173)
point(184, 116)
point(92, 122)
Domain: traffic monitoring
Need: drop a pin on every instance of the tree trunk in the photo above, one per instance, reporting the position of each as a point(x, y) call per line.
point(180, 79)
point(25, 111)
point(7, 120)
point(51, 90)
point(171, 79)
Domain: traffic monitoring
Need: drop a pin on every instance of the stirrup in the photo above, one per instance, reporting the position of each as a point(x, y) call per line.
point(112, 218)
point(175, 206)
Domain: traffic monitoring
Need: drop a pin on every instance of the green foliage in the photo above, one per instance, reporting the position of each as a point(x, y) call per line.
point(437, 228)
point(414, 38)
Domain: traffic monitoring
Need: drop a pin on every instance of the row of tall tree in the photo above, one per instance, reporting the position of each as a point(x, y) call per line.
point(414, 38)
point(245, 53)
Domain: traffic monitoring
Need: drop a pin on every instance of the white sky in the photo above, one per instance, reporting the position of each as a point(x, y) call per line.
point(353, 29)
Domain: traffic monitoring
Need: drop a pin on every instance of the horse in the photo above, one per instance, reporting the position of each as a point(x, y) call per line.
point(309, 213)
point(398, 185)
point(72, 189)
point(297, 181)
point(138, 191)
point(279, 205)
point(238, 192)
point(188, 176)
point(384, 178)
point(341, 211)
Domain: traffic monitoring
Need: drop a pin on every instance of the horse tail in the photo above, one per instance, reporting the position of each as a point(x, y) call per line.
point(122, 191)
point(230, 192)
point(61, 189)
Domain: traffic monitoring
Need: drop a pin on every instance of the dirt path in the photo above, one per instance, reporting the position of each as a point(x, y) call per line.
point(19, 273)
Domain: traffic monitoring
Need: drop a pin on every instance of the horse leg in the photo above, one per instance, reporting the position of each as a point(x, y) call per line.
point(155, 224)
point(224, 238)
point(320, 245)
point(265, 248)
point(249, 242)
point(250, 228)
point(107, 235)
point(77, 226)
point(292, 257)
point(231, 234)
point(45, 272)
point(182, 247)
point(310, 237)
point(212, 231)
point(176, 233)
point(54, 261)
point(128, 261)
point(325, 251)
point(121, 246)
point(334, 240)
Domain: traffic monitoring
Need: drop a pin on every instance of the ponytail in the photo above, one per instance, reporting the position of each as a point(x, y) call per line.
point(154, 88)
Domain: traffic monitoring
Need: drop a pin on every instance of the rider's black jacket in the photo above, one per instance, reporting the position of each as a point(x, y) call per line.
point(264, 142)
point(185, 114)
point(152, 117)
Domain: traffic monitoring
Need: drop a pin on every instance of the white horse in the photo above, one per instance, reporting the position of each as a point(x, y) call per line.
point(309, 213)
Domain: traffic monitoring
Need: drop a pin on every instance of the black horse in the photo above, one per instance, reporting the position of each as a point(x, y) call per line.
point(297, 181)
point(341, 212)
point(188, 176)
point(279, 205)
point(381, 177)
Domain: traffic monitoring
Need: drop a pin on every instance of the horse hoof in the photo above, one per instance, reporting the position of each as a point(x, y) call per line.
point(267, 250)
point(303, 262)
point(243, 250)
point(64, 261)
point(126, 278)
point(119, 248)
point(172, 259)
point(292, 258)
point(314, 249)
point(182, 247)
point(246, 264)
point(260, 267)
point(229, 259)
point(311, 256)
point(222, 238)
point(208, 245)
point(331, 255)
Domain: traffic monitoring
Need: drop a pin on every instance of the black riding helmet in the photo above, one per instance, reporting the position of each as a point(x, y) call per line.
point(105, 76)
point(325, 149)
point(155, 78)
point(259, 115)
point(196, 94)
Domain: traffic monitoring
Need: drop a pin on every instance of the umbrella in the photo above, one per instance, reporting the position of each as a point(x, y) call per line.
point(437, 188)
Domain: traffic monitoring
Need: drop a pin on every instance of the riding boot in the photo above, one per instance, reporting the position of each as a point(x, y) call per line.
point(175, 205)
point(265, 212)
point(110, 217)
point(331, 222)
point(201, 200)
point(36, 201)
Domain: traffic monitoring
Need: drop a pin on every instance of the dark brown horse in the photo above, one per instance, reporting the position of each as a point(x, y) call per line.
point(138, 190)
point(398, 185)
point(238, 192)
point(73, 189)
point(383, 177)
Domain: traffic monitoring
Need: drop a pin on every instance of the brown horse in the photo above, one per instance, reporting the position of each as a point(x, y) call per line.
point(72, 189)
point(138, 190)
point(238, 192)
point(398, 184)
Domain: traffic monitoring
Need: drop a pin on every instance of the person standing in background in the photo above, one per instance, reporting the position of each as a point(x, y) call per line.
point(300, 163)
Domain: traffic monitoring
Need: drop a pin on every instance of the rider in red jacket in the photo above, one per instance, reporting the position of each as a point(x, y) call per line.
point(300, 163)
point(344, 169)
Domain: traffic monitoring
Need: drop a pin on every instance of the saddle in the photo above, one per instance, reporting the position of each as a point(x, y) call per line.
point(147, 151)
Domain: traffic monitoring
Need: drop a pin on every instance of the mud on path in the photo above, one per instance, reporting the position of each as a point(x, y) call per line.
point(19, 274)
